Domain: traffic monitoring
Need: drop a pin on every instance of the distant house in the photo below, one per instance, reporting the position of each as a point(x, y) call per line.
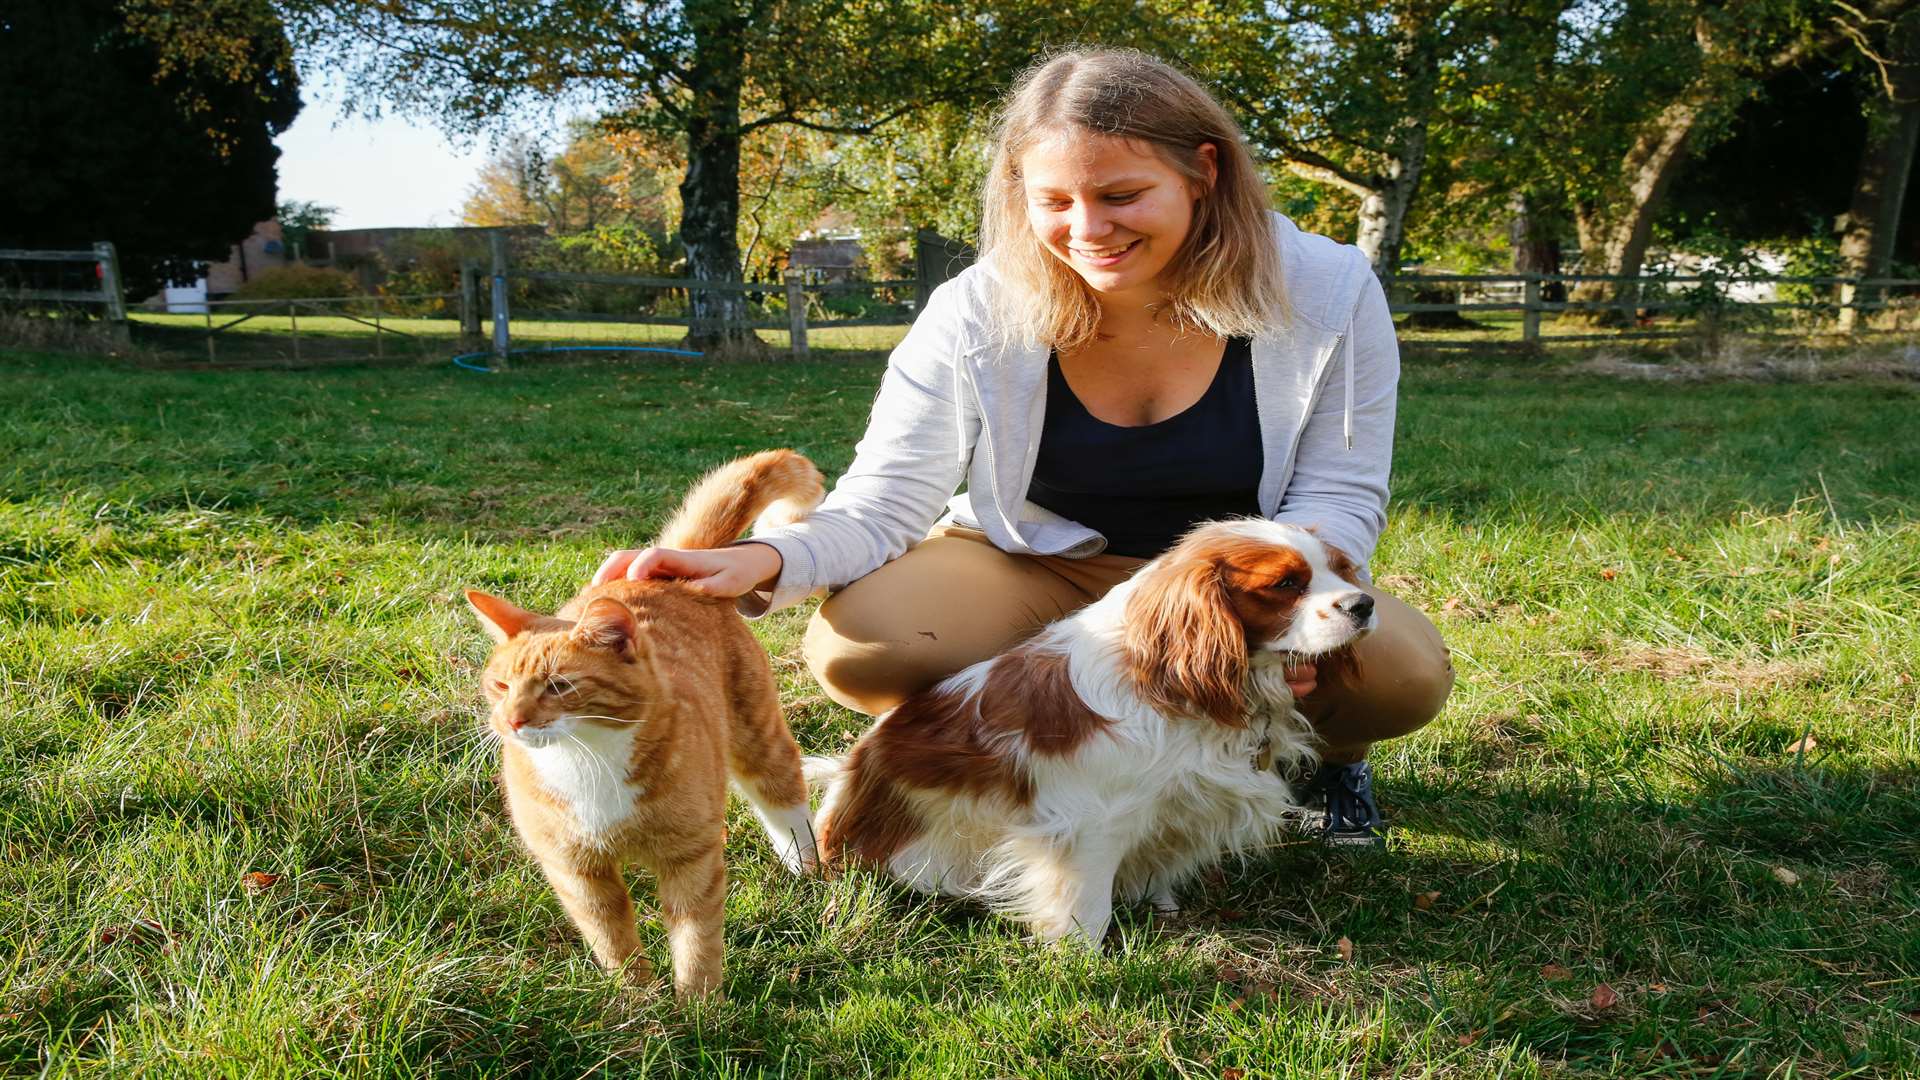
point(264, 249)
point(828, 258)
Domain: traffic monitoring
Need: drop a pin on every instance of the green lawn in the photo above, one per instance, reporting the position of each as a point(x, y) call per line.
point(248, 826)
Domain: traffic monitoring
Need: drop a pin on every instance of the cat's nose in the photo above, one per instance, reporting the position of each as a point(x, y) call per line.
point(519, 720)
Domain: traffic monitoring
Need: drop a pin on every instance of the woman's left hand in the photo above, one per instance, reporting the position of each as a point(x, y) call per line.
point(1302, 678)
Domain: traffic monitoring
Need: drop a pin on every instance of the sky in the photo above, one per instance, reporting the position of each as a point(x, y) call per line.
point(378, 172)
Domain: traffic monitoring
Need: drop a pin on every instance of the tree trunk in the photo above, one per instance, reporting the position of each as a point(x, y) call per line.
point(1536, 249)
point(1383, 210)
point(710, 191)
point(1868, 228)
point(1613, 238)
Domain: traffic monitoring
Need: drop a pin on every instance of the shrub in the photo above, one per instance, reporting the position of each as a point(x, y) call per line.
point(298, 283)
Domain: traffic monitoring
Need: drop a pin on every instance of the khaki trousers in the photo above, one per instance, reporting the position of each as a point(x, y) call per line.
point(954, 599)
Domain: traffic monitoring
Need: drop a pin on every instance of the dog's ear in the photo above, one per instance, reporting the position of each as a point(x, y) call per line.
point(1186, 649)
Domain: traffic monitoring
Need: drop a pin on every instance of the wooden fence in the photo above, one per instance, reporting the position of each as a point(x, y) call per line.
point(108, 293)
point(1701, 295)
point(1830, 302)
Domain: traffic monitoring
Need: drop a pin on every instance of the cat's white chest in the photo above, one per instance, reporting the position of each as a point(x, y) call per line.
point(587, 771)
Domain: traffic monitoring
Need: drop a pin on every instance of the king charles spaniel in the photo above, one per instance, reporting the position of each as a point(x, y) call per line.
point(1119, 752)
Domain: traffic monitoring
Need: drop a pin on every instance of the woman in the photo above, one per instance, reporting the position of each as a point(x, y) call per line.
point(1143, 346)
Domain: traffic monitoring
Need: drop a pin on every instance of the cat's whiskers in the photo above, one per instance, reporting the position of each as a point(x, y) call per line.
point(597, 716)
point(599, 762)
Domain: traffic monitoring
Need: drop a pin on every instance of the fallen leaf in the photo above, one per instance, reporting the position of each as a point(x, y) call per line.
point(1469, 1038)
point(1451, 603)
point(1345, 945)
point(1785, 876)
point(1424, 901)
point(1609, 574)
point(1232, 914)
point(1658, 988)
point(1555, 972)
point(1603, 997)
point(139, 932)
point(258, 881)
point(1666, 1049)
point(1232, 1074)
point(1803, 745)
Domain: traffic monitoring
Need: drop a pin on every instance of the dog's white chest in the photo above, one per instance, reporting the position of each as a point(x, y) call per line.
point(587, 771)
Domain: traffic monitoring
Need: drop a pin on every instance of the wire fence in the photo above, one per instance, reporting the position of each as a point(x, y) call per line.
point(300, 331)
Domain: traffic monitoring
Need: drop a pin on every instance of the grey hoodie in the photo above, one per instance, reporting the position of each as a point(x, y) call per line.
point(954, 405)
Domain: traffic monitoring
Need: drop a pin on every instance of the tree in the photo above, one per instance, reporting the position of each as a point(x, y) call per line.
point(117, 129)
point(1630, 93)
point(597, 179)
point(1872, 221)
point(299, 220)
point(706, 74)
point(1365, 95)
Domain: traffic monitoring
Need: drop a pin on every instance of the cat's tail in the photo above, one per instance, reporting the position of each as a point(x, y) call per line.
point(773, 487)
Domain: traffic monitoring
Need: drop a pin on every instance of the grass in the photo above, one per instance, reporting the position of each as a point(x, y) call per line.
point(271, 338)
point(247, 827)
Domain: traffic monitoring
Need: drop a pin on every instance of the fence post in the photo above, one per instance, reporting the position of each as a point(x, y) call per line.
point(116, 296)
point(293, 316)
point(1849, 306)
point(497, 241)
point(469, 299)
point(1530, 318)
point(379, 349)
point(797, 314)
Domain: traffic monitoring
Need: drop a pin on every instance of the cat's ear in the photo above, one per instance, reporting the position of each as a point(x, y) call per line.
point(501, 619)
point(606, 624)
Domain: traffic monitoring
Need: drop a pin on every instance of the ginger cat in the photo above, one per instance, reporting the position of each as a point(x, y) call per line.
point(621, 719)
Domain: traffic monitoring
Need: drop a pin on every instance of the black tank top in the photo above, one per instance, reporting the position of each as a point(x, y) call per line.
point(1142, 487)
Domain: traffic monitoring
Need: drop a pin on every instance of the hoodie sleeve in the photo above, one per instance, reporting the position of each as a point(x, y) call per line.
point(1337, 487)
point(912, 458)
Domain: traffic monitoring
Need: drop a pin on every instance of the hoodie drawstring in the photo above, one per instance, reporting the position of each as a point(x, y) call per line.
point(1348, 419)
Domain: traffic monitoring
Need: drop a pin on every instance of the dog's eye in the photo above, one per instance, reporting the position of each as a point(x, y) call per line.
point(1290, 583)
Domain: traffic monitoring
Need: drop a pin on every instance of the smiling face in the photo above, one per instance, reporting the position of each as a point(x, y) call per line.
point(1113, 210)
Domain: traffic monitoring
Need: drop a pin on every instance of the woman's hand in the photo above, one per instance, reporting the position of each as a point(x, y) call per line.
point(728, 571)
point(1302, 678)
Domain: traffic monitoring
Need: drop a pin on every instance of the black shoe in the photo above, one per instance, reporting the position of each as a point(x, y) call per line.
point(1352, 818)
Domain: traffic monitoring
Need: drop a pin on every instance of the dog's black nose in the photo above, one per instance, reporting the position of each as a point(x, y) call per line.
point(1359, 605)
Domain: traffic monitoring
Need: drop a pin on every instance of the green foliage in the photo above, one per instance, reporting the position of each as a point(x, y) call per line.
point(628, 249)
point(299, 220)
point(126, 135)
point(298, 282)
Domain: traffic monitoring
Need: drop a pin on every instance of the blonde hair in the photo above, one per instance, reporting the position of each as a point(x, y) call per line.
point(1225, 278)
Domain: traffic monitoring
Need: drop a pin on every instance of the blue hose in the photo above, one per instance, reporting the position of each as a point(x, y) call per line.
point(461, 361)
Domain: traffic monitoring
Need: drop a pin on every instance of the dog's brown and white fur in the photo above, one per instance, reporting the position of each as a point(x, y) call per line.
point(1119, 752)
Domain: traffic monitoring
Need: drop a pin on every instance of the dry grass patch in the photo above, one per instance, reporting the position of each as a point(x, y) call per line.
point(1698, 666)
point(1767, 360)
